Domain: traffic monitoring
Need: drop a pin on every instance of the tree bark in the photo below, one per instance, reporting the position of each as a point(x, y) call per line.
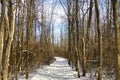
point(2, 34)
point(99, 39)
point(117, 37)
point(77, 38)
point(87, 40)
point(10, 39)
point(28, 39)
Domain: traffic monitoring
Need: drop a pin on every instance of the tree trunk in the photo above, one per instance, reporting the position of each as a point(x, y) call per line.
point(2, 34)
point(99, 39)
point(77, 38)
point(87, 39)
point(84, 58)
point(10, 39)
point(117, 36)
point(69, 33)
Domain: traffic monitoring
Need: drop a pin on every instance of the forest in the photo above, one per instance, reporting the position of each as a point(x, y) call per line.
point(85, 32)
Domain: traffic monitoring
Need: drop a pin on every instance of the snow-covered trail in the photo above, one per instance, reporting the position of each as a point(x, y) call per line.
point(58, 70)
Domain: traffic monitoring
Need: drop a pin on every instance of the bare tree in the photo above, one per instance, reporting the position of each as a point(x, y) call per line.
point(77, 38)
point(117, 37)
point(99, 39)
point(10, 39)
point(87, 39)
point(3, 2)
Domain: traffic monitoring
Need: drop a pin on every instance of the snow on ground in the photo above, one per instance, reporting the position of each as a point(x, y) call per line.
point(58, 70)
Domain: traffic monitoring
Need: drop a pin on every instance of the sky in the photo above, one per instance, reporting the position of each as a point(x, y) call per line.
point(58, 23)
point(59, 12)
